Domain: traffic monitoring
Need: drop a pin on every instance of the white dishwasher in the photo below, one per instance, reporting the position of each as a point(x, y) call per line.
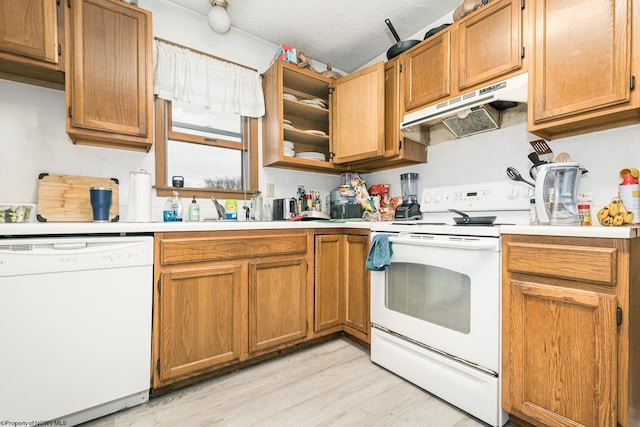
point(75, 327)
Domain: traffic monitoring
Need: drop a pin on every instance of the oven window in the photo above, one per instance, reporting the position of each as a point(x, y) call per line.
point(430, 293)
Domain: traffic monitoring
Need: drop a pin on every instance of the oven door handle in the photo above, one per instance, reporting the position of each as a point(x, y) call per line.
point(470, 244)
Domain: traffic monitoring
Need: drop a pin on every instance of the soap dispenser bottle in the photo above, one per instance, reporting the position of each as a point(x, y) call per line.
point(194, 210)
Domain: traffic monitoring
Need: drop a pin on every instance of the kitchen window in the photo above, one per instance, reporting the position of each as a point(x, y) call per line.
point(215, 153)
point(206, 123)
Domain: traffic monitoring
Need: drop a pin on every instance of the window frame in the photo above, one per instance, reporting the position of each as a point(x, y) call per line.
point(164, 133)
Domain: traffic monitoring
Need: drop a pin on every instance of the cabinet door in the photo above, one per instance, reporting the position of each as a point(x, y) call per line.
point(29, 28)
point(392, 110)
point(109, 87)
point(490, 43)
point(329, 300)
point(356, 279)
point(427, 75)
point(200, 320)
point(277, 302)
point(561, 364)
point(398, 149)
point(358, 116)
point(582, 57)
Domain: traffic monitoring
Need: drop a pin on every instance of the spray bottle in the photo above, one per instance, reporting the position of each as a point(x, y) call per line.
point(177, 206)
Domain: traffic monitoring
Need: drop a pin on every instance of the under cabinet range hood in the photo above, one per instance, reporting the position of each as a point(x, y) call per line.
point(472, 112)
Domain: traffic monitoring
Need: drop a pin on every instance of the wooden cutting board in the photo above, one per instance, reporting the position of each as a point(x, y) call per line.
point(66, 197)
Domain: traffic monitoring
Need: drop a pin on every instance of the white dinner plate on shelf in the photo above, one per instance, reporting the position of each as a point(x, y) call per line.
point(316, 132)
point(314, 103)
point(320, 101)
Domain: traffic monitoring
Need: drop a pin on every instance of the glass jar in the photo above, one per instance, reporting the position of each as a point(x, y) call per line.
point(256, 207)
point(584, 213)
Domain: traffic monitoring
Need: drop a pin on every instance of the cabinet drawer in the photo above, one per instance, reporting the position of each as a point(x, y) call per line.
point(590, 264)
point(175, 251)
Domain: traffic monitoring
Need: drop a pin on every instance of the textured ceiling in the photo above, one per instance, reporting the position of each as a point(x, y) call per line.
point(345, 33)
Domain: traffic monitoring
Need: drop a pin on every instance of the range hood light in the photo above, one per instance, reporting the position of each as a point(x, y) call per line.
point(464, 113)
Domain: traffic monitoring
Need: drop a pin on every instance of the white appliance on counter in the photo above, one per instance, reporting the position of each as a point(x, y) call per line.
point(75, 316)
point(436, 309)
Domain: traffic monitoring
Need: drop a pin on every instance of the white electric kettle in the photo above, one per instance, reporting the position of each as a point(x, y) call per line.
point(556, 193)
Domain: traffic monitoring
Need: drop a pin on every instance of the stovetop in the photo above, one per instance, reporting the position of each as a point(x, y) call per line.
point(508, 201)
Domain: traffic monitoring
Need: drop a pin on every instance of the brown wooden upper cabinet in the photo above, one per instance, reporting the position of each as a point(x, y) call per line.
point(428, 71)
point(109, 77)
point(490, 43)
point(357, 129)
point(484, 46)
point(358, 109)
point(31, 40)
point(398, 150)
point(582, 78)
point(29, 28)
point(349, 127)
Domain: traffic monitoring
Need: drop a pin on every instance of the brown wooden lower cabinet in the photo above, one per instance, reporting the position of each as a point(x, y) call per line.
point(277, 301)
point(342, 284)
point(571, 345)
point(225, 297)
point(200, 319)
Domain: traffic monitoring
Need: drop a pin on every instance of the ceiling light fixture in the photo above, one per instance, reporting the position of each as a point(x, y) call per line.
point(219, 19)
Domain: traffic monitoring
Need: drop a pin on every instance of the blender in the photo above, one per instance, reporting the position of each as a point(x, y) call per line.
point(410, 208)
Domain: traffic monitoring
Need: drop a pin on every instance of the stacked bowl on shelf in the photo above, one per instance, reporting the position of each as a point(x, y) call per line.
point(289, 149)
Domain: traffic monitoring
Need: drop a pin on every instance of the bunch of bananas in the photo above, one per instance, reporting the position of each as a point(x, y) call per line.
point(615, 214)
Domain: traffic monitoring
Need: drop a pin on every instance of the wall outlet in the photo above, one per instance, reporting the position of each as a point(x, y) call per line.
point(269, 190)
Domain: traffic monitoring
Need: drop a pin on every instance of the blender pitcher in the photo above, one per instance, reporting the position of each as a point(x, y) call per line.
point(409, 209)
point(409, 184)
point(556, 193)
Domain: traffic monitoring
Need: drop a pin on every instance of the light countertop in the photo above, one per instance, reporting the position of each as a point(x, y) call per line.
point(622, 232)
point(61, 228)
point(57, 228)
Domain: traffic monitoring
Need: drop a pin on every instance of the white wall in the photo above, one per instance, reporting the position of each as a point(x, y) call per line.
point(34, 140)
point(33, 137)
point(485, 157)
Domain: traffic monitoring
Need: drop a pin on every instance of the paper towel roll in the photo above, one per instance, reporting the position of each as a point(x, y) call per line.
point(139, 206)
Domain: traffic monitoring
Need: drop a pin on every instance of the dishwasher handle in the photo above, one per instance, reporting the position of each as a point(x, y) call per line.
point(69, 246)
point(469, 243)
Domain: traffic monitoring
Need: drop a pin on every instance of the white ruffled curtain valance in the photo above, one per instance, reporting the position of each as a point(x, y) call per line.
point(189, 77)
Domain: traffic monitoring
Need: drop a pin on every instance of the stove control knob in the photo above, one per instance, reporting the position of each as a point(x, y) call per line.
point(513, 193)
point(437, 198)
point(426, 198)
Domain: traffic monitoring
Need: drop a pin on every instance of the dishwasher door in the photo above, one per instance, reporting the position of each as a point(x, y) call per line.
point(75, 326)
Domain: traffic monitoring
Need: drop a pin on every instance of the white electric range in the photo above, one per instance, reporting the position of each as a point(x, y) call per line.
point(436, 309)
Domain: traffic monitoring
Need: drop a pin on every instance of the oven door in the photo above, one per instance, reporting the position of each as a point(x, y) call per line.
point(442, 292)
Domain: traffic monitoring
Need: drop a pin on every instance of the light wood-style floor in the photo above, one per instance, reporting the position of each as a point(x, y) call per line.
point(332, 384)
